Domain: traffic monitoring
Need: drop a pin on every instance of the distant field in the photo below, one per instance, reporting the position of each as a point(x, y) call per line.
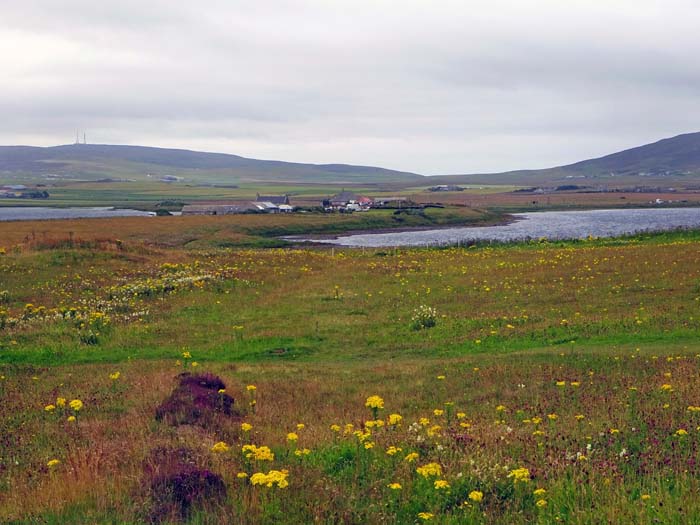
point(148, 195)
point(552, 382)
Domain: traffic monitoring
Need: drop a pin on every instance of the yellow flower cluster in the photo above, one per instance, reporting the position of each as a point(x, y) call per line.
point(520, 475)
point(274, 477)
point(476, 496)
point(374, 402)
point(430, 469)
point(220, 447)
point(261, 453)
point(395, 419)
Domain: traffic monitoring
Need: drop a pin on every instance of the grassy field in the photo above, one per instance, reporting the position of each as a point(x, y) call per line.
point(530, 383)
point(152, 195)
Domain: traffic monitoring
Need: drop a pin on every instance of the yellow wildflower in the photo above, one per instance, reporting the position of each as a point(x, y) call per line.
point(476, 495)
point(60, 402)
point(394, 486)
point(411, 457)
point(425, 516)
point(539, 492)
point(52, 463)
point(395, 419)
point(520, 475)
point(374, 402)
point(541, 503)
point(441, 484)
point(335, 428)
point(261, 453)
point(292, 436)
point(246, 427)
point(430, 469)
point(278, 477)
point(76, 404)
point(434, 430)
point(221, 446)
point(242, 475)
point(114, 376)
point(251, 388)
point(50, 408)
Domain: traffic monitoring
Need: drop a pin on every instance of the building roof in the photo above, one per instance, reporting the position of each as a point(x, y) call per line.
point(274, 199)
point(345, 196)
point(265, 205)
point(218, 209)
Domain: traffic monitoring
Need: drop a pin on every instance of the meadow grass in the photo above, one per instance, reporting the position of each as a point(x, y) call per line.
point(559, 383)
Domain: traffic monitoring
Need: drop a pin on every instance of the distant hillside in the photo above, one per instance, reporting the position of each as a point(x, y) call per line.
point(675, 159)
point(96, 161)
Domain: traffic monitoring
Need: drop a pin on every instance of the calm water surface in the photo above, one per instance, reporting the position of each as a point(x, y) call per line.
point(39, 213)
point(550, 224)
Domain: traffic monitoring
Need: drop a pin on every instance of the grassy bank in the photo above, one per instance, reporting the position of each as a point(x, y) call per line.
point(554, 382)
point(245, 230)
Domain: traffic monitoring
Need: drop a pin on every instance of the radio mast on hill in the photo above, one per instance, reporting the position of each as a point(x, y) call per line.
point(77, 137)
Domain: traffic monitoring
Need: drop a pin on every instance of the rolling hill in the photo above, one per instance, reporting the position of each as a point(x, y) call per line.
point(671, 160)
point(97, 161)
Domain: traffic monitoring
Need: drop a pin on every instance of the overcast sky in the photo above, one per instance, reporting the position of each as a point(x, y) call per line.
point(434, 86)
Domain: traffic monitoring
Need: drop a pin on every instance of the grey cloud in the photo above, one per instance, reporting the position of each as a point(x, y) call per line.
point(431, 87)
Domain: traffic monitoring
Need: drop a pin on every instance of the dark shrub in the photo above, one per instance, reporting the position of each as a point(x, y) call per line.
point(196, 401)
point(176, 483)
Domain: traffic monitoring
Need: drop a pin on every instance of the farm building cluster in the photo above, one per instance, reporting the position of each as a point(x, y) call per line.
point(20, 191)
point(262, 204)
point(347, 201)
point(343, 202)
